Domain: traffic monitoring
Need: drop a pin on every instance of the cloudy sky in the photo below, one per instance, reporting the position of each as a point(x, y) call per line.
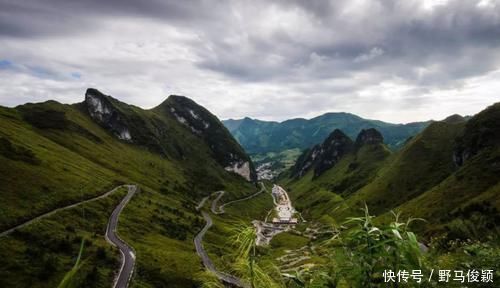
point(397, 61)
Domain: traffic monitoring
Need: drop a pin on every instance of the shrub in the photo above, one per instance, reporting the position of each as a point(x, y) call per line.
point(367, 250)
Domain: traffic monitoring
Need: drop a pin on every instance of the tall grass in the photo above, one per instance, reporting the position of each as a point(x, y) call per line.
point(361, 252)
point(69, 277)
point(364, 251)
point(245, 260)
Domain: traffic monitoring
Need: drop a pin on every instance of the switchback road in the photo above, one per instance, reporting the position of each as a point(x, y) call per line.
point(209, 265)
point(128, 255)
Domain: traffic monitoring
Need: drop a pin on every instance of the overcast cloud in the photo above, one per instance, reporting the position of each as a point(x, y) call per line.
point(397, 61)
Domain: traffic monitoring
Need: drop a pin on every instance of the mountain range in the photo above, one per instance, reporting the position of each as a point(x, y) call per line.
point(275, 146)
point(258, 136)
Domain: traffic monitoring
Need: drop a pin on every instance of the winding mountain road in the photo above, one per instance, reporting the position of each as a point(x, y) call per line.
point(209, 265)
point(213, 207)
point(221, 193)
point(10, 230)
point(198, 240)
point(128, 255)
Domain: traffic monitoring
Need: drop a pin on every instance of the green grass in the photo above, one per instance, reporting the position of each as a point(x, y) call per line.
point(322, 196)
point(420, 165)
point(218, 240)
point(281, 161)
point(287, 240)
point(474, 183)
point(420, 180)
point(70, 276)
point(374, 176)
point(163, 257)
point(41, 254)
point(67, 157)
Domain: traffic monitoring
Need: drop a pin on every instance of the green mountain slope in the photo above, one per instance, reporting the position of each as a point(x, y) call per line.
point(53, 155)
point(319, 195)
point(470, 197)
point(421, 164)
point(447, 174)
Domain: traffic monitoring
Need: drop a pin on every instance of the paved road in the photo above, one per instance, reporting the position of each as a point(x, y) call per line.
point(198, 240)
point(213, 207)
point(209, 265)
point(202, 203)
point(10, 230)
point(128, 254)
point(221, 193)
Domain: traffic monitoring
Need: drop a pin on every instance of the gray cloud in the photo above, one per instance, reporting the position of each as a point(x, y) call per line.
point(241, 57)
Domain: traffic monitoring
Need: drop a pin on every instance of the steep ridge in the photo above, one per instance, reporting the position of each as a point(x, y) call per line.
point(423, 163)
point(201, 122)
point(103, 112)
point(153, 129)
point(470, 195)
point(480, 133)
point(316, 195)
point(324, 156)
point(388, 182)
point(369, 136)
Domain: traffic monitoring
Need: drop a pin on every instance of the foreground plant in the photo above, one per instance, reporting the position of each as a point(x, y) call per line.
point(364, 251)
point(245, 262)
point(67, 281)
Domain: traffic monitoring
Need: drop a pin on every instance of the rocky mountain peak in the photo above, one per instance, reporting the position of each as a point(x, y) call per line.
point(332, 150)
point(324, 156)
point(102, 110)
point(189, 113)
point(369, 136)
point(207, 126)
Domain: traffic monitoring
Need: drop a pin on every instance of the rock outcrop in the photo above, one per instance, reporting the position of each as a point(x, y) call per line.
point(241, 168)
point(324, 156)
point(369, 136)
point(335, 147)
point(226, 150)
point(101, 109)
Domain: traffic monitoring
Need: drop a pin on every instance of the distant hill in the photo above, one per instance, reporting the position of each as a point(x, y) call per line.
point(258, 136)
